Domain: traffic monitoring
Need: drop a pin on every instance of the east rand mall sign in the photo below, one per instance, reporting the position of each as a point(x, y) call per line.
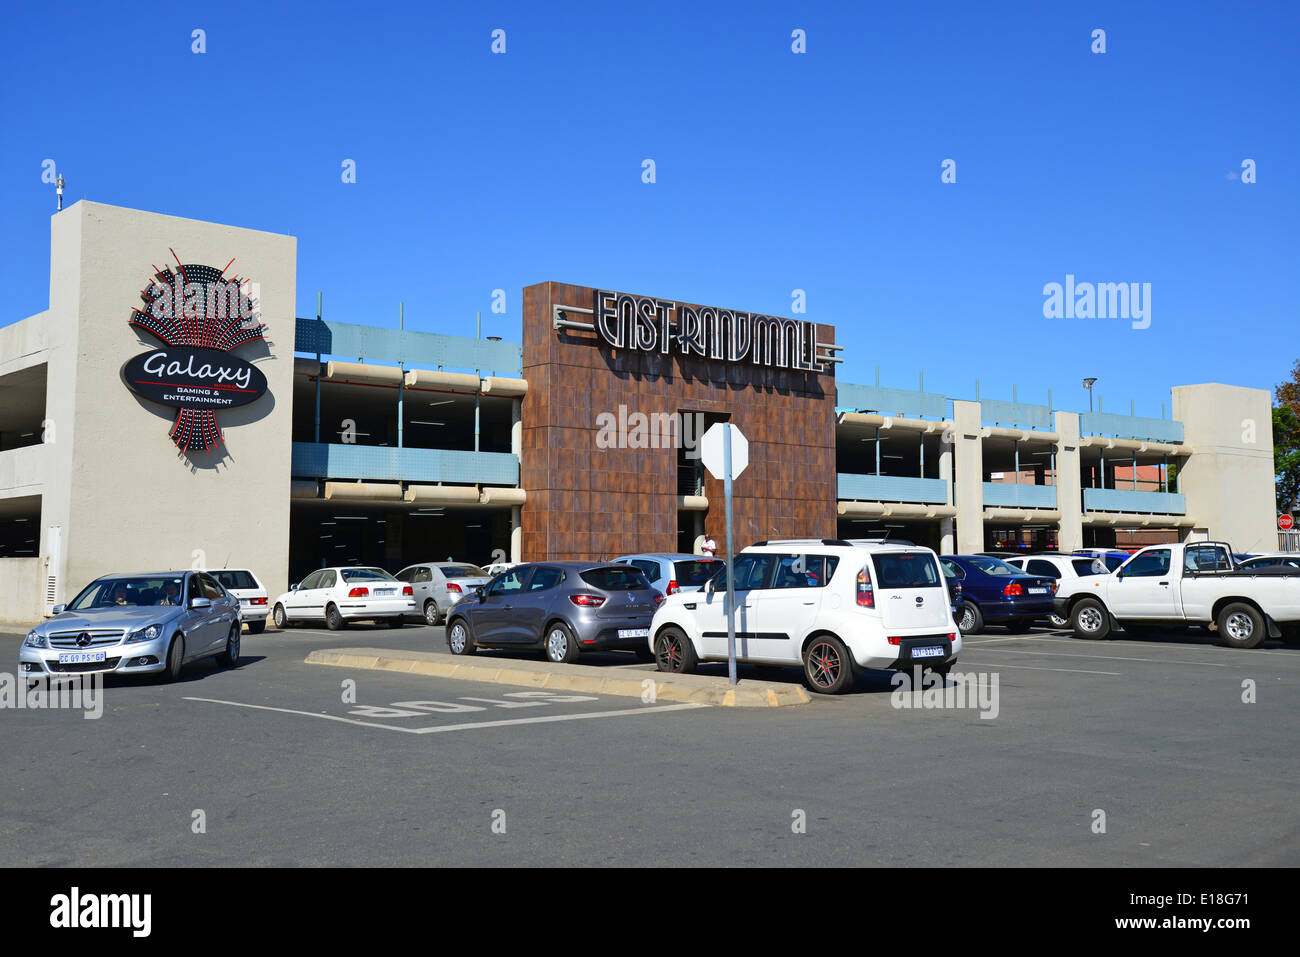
point(200, 316)
point(646, 324)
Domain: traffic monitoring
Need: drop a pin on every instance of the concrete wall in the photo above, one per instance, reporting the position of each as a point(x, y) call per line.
point(20, 590)
point(968, 476)
point(126, 497)
point(1069, 482)
point(1228, 479)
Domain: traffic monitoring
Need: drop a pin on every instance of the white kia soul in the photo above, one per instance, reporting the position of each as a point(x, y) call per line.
point(832, 606)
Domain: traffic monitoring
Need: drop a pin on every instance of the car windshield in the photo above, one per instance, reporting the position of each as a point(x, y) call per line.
point(462, 571)
point(235, 579)
point(695, 572)
point(994, 566)
point(142, 591)
point(365, 575)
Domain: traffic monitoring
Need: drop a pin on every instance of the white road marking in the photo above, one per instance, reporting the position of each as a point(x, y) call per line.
point(460, 727)
point(1132, 642)
point(1066, 654)
point(1073, 671)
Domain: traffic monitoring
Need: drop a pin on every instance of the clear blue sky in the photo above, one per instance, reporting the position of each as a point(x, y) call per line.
point(775, 171)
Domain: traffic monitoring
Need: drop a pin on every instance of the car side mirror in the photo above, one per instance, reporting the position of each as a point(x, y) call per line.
point(59, 609)
point(480, 593)
point(293, 588)
point(200, 602)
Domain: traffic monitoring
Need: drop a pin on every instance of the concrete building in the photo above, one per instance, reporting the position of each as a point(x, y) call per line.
point(170, 409)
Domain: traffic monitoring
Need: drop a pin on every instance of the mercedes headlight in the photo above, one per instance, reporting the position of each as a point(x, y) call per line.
point(35, 640)
point(148, 633)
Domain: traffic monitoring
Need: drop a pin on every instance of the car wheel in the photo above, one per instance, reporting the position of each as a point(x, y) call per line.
point(230, 657)
point(827, 665)
point(175, 658)
point(334, 618)
point(458, 639)
point(971, 621)
point(257, 627)
point(560, 645)
point(674, 652)
point(432, 616)
point(1057, 621)
point(279, 617)
point(1019, 627)
point(1089, 619)
point(1241, 626)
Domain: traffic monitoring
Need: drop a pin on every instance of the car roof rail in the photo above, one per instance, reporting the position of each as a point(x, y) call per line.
point(801, 541)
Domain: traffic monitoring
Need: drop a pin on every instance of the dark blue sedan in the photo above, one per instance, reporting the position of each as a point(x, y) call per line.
point(995, 593)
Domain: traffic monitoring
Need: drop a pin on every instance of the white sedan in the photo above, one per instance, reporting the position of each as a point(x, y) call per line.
point(337, 596)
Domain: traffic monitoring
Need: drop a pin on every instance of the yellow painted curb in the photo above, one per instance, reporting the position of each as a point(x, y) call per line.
point(693, 689)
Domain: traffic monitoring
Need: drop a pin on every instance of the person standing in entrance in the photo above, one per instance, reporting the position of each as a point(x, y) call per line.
point(708, 547)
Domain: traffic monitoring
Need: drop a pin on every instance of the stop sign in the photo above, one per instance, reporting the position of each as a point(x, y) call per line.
point(1285, 522)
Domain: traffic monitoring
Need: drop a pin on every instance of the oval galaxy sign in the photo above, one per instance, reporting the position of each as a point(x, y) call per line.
point(200, 315)
point(181, 376)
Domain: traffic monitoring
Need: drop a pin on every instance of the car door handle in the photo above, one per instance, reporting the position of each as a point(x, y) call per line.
point(1164, 583)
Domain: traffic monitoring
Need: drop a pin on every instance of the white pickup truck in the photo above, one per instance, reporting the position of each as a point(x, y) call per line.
point(1193, 584)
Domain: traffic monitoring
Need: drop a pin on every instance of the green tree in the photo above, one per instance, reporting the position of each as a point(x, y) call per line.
point(1286, 456)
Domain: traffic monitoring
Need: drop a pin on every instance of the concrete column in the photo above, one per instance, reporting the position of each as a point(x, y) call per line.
point(1228, 478)
point(968, 476)
point(1069, 482)
point(516, 533)
point(947, 526)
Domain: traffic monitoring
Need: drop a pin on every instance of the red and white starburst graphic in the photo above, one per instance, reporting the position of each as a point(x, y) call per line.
point(197, 306)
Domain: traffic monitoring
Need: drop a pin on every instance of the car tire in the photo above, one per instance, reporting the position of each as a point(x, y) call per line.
point(1089, 619)
point(257, 627)
point(1020, 627)
point(1241, 626)
point(175, 658)
point(334, 618)
point(970, 613)
point(560, 645)
point(432, 616)
point(229, 657)
point(827, 666)
point(459, 640)
point(279, 617)
point(674, 652)
point(1058, 622)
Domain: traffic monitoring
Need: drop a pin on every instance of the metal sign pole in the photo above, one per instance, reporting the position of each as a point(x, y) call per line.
point(731, 582)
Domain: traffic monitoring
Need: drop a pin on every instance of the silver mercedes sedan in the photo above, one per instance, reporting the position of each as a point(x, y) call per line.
point(136, 624)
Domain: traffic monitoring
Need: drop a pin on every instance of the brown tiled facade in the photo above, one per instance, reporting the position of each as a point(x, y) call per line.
point(587, 502)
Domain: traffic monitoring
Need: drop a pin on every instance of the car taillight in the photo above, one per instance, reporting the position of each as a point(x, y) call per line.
point(359, 593)
point(673, 587)
point(894, 639)
point(958, 586)
point(1053, 586)
point(593, 601)
point(658, 597)
point(866, 597)
point(1012, 590)
point(452, 586)
point(408, 590)
point(257, 601)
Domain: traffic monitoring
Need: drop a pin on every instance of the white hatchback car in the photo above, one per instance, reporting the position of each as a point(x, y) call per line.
point(1060, 567)
point(832, 606)
point(339, 595)
point(250, 591)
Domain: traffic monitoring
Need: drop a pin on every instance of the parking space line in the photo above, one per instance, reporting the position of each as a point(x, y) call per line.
point(1126, 642)
point(1072, 671)
point(1066, 654)
point(544, 719)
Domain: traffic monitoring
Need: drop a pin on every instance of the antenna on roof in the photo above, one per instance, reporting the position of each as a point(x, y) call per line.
point(59, 183)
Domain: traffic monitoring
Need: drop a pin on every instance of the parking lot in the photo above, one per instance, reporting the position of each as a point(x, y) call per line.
point(1114, 752)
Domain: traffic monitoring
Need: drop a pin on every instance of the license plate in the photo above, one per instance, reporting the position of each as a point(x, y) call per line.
point(1038, 591)
point(634, 632)
point(931, 652)
point(81, 657)
point(383, 591)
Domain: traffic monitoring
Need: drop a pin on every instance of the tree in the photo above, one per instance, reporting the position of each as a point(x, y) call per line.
point(1286, 456)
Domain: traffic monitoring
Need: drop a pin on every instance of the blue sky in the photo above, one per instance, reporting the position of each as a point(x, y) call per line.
point(775, 171)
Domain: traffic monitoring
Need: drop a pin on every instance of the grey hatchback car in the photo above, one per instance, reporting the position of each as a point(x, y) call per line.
point(562, 608)
point(134, 624)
